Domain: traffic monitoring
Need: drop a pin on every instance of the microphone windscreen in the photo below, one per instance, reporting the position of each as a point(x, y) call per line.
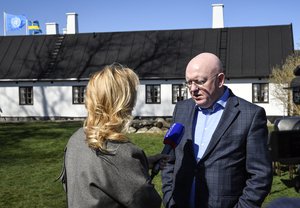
point(173, 135)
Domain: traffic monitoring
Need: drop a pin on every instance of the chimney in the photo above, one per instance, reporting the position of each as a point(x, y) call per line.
point(72, 23)
point(217, 17)
point(51, 28)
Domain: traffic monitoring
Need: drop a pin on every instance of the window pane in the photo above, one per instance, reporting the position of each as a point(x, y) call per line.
point(179, 92)
point(152, 93)
point(175, 93)
point(260, 92)
point(296, 95)
point(78, 94)
point(255, 92)
point(26, 95)
point(265, 93)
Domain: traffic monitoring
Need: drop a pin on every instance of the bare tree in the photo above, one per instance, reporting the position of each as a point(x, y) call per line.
point(282, 77)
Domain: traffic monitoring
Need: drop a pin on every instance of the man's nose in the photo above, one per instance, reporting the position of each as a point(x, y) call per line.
point(194, 87)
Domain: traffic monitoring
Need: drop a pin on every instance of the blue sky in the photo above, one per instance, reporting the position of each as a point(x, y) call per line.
point(133, 15)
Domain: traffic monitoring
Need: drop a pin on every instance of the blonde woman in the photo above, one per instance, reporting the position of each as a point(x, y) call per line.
point(102, 167)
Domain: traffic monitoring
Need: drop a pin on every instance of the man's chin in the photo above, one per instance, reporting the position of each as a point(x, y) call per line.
point(201, 103)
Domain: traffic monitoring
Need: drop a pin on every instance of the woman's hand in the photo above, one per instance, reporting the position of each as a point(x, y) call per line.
point(162, 159)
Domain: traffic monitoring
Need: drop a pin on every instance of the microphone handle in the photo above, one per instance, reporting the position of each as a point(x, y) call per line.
point(167, 149)
point(154, 171)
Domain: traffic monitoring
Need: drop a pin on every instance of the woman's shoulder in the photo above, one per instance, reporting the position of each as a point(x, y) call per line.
point(128, 148)
point(127, 151)
point(77, 142)
point(78, 133)
point(77, 137)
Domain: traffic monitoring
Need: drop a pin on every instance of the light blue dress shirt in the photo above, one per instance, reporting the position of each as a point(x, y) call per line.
point(205, 125)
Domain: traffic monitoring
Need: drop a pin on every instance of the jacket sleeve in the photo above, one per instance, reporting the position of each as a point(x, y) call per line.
point(167, 176)
point(258, 164)
point(167, 182)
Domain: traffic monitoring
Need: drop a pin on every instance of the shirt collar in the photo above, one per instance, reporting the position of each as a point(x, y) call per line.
point(221, 103)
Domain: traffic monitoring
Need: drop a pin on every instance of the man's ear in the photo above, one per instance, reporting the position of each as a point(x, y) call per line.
point(221, 79)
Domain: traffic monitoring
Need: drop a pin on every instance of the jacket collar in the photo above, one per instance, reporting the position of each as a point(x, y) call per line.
point(228, 116)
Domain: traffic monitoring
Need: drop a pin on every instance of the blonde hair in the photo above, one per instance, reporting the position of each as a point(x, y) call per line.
point(110, 97)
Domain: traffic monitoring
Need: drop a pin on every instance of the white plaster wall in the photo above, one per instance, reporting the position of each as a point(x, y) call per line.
point(243, 89)
point(275, 106)
point(55, 99)
point(9, 101)
point(165, 108)
point(49, 100)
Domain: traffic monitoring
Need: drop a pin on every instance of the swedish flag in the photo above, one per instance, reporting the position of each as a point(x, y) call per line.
point(34, 27)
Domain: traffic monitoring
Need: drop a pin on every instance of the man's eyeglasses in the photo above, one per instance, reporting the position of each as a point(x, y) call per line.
point(189, 83)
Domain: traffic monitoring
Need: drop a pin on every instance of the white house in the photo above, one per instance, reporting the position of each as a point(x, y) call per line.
point(44, 76)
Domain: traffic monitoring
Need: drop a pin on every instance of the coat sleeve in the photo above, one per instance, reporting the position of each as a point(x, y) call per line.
point(258, 164)
point(127, 179)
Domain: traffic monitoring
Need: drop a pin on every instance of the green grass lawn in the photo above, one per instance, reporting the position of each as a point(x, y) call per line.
point(31, 157)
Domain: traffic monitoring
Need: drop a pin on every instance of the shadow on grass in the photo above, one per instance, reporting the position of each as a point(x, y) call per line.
point(34, 140)
point(12, 133)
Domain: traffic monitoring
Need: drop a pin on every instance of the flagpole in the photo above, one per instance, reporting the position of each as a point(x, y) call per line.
point(26, 26)
point(4, 25)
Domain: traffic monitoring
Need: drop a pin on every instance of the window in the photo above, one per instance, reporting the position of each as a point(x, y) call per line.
point(153, 94)
point(179, 92)
point(26, 95)
point(296, 95)
point(260, 93)
point(78, 94)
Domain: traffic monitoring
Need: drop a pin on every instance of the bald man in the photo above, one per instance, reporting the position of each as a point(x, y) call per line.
point(222, 160)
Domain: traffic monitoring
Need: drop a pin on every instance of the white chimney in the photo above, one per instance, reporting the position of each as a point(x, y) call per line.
point(72, 23)
point(51, 28)
point(217, 17)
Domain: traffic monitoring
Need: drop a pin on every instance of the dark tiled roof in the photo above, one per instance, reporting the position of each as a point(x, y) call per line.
point(245, 51)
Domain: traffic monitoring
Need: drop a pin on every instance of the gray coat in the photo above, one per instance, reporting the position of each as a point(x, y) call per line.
point(94, 179)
